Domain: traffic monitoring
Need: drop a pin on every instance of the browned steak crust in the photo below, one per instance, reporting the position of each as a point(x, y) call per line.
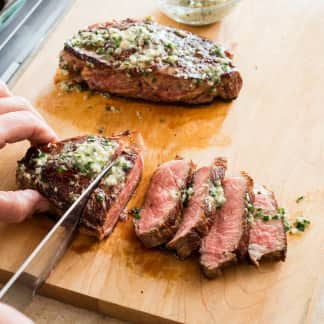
point(61, 171)
point(142, 59)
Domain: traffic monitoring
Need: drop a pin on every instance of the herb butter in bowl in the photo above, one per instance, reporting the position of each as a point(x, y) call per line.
point(197, 12)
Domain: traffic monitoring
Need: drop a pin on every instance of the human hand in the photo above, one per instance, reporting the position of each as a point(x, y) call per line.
point(19, 120)
point(9, 315)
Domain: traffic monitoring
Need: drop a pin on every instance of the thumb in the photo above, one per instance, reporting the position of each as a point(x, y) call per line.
point(15, 206)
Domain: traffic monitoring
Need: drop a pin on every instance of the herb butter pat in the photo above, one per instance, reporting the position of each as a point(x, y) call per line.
point(90, 158)
point(117, 173)
point(143, 45)
point(216, 197)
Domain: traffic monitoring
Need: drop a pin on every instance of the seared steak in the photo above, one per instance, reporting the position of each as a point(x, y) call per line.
point(161, 213)
point(267, 239)
point(107, 202)
point(226, 241)
point(143, 59)
point(61, 171)
point(200, 212)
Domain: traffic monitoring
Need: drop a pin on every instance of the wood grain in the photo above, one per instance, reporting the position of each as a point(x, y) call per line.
point(273, 131)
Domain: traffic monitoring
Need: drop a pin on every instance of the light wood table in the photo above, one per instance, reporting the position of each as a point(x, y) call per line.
point(274, 131)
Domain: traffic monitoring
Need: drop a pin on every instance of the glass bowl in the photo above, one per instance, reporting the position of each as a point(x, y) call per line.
point(197, 12)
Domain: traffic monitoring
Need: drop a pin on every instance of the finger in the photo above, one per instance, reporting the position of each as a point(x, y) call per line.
point(15, 206)
point(8, 315)
point(12, 104)
point(21, 125)
point(4, 91)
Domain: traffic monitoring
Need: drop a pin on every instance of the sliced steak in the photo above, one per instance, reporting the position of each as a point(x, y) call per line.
point(161, 213)
point(200, 211)
point(267, 238)
point(61, 171)
point(108, 201)
point(143, 59)
point(227, 239)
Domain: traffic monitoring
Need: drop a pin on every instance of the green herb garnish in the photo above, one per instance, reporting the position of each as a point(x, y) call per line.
point(136, 213)
point(250, 207)
point(299, 199)
point(100, 197)
point(301, 223)
point(61, 169)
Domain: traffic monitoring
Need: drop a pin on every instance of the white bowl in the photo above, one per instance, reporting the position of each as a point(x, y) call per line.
point(197, 12)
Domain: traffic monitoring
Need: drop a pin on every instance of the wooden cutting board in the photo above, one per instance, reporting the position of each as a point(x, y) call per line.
point(274, 131)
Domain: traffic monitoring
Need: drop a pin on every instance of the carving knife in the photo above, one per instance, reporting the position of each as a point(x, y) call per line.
point(22, 286)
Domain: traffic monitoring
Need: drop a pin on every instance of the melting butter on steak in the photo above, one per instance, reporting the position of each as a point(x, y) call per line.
point(267, 237)
point(61, 171)
point(199, 214)
point(112, 194)
point(227, 240)
point(143, 59)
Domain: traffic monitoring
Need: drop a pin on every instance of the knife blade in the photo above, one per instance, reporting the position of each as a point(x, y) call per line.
point(38, 265)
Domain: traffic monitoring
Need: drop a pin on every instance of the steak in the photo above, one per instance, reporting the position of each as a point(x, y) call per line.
point(161, 213)
point(227, 239)
point(61, 171)
point(267, 237)
point(146, 60)
point(200, 211)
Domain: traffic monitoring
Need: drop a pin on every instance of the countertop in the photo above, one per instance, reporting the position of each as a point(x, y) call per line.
point(45, 310)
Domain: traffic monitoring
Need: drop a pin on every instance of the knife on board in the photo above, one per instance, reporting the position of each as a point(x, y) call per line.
point(30, 276)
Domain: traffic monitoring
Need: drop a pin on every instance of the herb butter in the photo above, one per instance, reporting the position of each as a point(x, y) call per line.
point(143, 45)
point(117, 173)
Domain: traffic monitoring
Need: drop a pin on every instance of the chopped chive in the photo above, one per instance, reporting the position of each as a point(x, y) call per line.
point(301, 223)
point(61, 169)
point(250, 207)
point(299, 199)
point(287, 227)
point(136, 213)
point(258, 214)
point(100, 197)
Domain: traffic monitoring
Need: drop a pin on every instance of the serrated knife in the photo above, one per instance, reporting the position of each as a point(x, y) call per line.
point(24, 283)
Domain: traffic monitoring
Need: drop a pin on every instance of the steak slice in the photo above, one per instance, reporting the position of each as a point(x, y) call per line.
point(61, 171)
point(200, 211)
point(109, 199)
point(143, 59)
point(161, 213)
point(267, 238)
point(227, 239)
